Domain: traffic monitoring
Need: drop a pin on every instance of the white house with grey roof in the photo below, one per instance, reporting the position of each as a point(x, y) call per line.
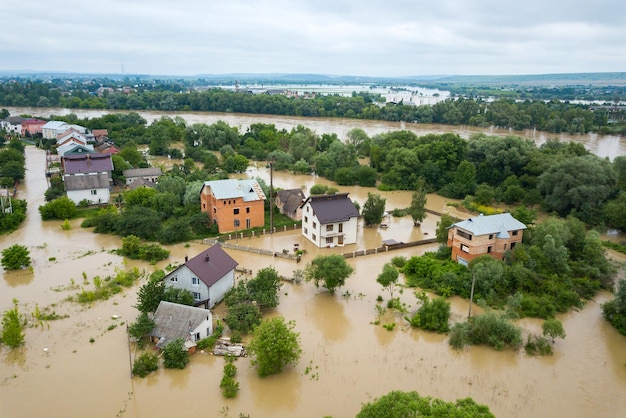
point(173, 321)
point(493, 235)
point(329, 220)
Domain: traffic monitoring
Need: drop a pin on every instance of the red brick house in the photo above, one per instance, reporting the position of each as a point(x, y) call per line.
point(480, 235)
point(233, 204)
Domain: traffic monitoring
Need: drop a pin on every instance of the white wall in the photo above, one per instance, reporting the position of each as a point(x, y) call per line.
point(102, 195)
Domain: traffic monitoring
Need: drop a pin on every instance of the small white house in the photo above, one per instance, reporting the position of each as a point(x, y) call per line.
point(208, 276)
point(329, 220)
point(173, 321)
point(93, 188)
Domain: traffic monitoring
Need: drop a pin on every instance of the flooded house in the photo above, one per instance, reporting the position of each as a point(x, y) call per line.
point(329, 220)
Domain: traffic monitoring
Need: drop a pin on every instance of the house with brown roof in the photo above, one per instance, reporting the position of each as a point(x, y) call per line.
point(289, 202)
point(208, 276)
point(173, 321)
point(233, 204)
point(493, 235)
point(329, 220)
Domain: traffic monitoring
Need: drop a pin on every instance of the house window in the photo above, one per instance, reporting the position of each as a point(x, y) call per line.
point(224, 202)
point(203, 205)
point(247, 210)
point(174, 279)
point(236, 211)
point(340, 227)
point(95, 192)
point(314, 237)
point(505, 246)
point(314, 225)
point(306, 219)
point(490, 236)
point(329, 240)
point(195, 281)
point(197, 336)
point(463, 234)
point(464, 248)
point(329, 227)
point(306, 231)
point(236, 223)
point(489, 249)
point(214, 210)
point(513, 245)
point(196, 295)
point(514, 232)
point(307, 209)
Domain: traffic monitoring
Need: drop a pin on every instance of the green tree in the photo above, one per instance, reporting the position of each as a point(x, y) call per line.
point(12, 327)
point(152, 293)
point(614, 311)
point(175, 355)
point(178, 295)
point(373, 209)
point(61, 208)
point(243, 317)
point(15, 257)
point(263, 289)
point(417, 210)
point(388, 278)
point(397, 404)
point(433, 315)
point(553, 328)
point(145, 364)
point(274, 345)
point(444, 222)
point(329, 270)
point(141, 327)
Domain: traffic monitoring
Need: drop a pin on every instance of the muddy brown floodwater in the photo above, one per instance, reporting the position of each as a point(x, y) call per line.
point(61, 373)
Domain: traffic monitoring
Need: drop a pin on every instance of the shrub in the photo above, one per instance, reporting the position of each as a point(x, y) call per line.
point(538, 345)
point(61, 208)
point(398, 261)
point(175, 356)
point(433, 315)
point(145, 364)
point(490, 328)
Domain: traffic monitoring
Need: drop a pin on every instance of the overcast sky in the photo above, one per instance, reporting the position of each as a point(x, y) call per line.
point(334, 37)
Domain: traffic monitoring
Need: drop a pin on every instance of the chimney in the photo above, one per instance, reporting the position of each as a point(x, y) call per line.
point(186, 259)
point(206, 258)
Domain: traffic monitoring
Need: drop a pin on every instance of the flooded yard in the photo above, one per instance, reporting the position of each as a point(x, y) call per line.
point(80, 365)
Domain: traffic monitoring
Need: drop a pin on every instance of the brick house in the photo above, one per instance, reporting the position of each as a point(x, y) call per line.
point(329, 220)
point(480, 235)
point(32, 126)
point(233, 204)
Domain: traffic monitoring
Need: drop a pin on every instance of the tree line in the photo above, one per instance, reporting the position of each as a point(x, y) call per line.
point(546, 115)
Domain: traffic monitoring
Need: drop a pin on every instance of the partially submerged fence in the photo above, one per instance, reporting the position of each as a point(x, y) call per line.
point(255, 250)
point(386, 248)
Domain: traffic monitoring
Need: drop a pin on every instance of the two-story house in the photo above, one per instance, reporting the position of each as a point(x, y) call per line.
point(233, 204)
point(480, 235)
point(87, 177)
point(208, 276)
point(329, 220)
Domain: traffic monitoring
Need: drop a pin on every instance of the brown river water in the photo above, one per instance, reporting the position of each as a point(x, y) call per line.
point(602, 145)
point(59, 372)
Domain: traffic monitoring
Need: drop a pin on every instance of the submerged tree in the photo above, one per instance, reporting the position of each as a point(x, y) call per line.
point(12, 327)
point(417, 210)
point(330, 270)
point(15, 257)
point(373, 209)
point(274, 345)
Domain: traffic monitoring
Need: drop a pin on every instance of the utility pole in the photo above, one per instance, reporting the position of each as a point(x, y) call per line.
point(271, 197)
point(469, 314)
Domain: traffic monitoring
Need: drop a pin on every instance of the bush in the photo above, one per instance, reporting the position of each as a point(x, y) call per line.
point(538, 345)
point(61, 208)
point(318, 189)
point(398, 261)
point(433, 315)
point(175, 356)
point(490, 328)
point(145, 364)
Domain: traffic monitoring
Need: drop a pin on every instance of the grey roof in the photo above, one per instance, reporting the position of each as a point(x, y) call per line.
point(54, 124)
point(211, 264)
point(86, 182)
point(89, 163)
point(248, 189)
point(498, 224)
point(141, 182)
point(331, 208)
point(141, 172)
point(291, 199)
point(173, 321)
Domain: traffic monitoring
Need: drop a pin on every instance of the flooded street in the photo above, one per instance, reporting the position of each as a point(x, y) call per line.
point(61, 373)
